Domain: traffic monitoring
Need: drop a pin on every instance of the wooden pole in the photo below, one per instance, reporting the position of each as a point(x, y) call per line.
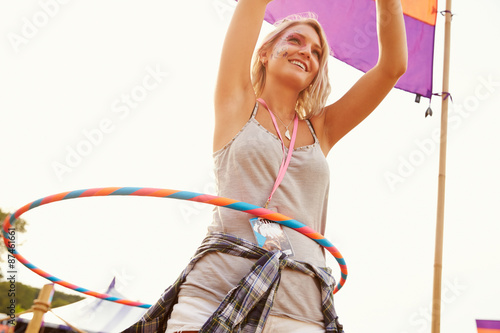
point(40, 306)
point(438, 254)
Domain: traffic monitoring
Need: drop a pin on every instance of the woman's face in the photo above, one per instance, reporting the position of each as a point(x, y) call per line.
point(296, 55)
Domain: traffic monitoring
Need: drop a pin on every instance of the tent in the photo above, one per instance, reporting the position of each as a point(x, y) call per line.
point(91, 315)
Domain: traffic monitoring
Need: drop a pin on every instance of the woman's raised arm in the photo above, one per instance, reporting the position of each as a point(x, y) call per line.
point(366, 94)
point(234, 94)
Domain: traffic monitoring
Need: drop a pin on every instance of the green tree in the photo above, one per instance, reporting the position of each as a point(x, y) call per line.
point(20, 227)
point(24, 296)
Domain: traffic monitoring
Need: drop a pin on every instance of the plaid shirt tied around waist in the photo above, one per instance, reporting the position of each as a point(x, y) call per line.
point(246, 307)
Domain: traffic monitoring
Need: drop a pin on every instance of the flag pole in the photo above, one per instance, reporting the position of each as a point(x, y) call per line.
point(438, 252)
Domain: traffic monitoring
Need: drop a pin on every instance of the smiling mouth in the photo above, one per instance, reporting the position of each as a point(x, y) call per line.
point(299, 64)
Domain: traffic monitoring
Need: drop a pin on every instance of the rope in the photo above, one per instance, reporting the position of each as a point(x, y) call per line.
point(68, 324)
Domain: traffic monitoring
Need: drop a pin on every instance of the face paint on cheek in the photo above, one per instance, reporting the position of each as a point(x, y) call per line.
point(280, 50)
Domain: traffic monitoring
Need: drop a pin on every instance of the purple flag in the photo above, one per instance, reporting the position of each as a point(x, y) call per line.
point(350, 26)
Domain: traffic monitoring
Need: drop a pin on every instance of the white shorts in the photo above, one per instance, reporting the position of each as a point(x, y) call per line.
point(190, 313)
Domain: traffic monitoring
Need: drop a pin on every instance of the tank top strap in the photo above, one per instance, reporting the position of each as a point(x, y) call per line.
point(312, 130)
point(254, 112)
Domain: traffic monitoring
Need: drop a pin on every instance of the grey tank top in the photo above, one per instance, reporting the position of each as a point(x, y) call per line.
point(246, 169)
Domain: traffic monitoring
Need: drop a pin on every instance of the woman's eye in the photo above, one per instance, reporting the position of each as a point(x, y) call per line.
point(293, 40)
point(317, 54)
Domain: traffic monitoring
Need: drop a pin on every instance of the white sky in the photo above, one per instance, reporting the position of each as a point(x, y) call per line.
point(70, 76)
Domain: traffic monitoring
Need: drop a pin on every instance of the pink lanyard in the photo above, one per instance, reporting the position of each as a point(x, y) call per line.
point(285, 161)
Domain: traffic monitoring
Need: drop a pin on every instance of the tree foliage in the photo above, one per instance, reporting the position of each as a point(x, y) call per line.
point(20, 228)
point(25, 295)
point(20, 223)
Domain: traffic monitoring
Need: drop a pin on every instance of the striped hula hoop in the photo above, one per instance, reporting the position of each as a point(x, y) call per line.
point(8, 230)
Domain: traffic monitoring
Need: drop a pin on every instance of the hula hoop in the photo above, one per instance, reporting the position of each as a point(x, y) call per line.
point(10, 221)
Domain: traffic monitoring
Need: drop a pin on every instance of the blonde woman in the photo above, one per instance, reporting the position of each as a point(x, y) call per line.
point(261, 109)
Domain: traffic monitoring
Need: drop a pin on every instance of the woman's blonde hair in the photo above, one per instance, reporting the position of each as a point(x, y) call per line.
point(311, 100)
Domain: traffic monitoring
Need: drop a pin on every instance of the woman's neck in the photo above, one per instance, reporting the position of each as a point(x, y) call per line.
point(280, 101)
